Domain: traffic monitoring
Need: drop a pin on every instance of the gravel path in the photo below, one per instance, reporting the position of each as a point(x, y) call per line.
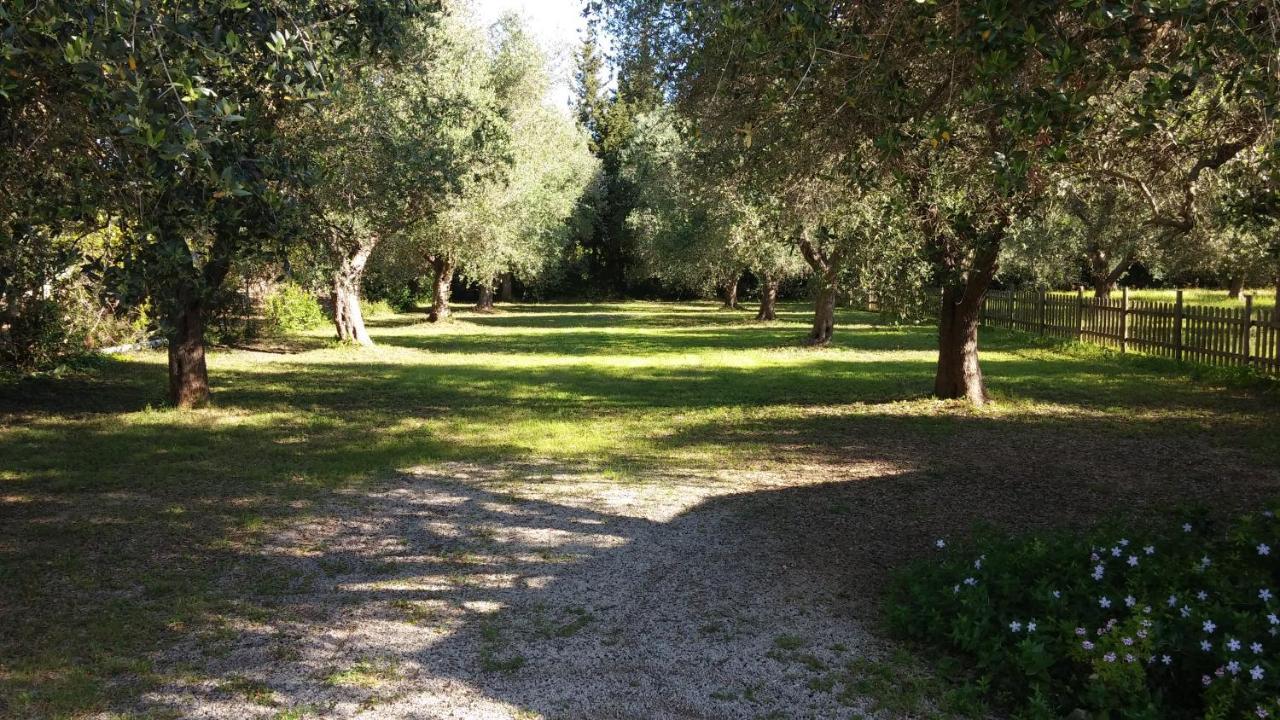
point(466, 592)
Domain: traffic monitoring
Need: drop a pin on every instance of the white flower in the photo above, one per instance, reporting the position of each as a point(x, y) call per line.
point(1202, 595)
point(1109, 657)
point(1233, 667)
point(1209, 627)
point(1127, 640)
point(1206, 679)
point(1015, 626)
point(1166, 659)
point(1264, 594)
point(1173, 600)
point(1031, 626)
point(1133, 561)
point(956, 589)
point(1104, 602)
point(1264, 549)
point(1056, 594)
point(1115, 552)
point(1186, 527)
point(1098, 571)
point(1185, 611)
point(1124, 542)
point(1256, 673)
point(1256, 648)
point(940, 543)
point(1205, 645)
point(970, 581)
point(1273, 619)
point(1205, 561)
point(1086, 645)
point(1150, 549)
point(1261, 712)
point(1128, 657)
point(1233, 644)
point(977, 564)
point(1130, 601)
point(1081, 632)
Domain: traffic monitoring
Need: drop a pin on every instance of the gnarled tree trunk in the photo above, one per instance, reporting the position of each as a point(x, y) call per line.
point(188, 374)
point(1235, 287)
point(485, 303)
point(824, 315)
point(729, 292)
point(441, 287)
point(768, 299)
point(827, 268)
point(506, 292)
point(348, 320)
point(1104, 277)
point(959, 375)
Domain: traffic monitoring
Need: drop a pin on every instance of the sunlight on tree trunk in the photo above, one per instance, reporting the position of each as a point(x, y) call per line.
point(824, 315)
point(729, 292)
point(347, 317)
point(188, 374)
point(441, 288)
point(768, 300)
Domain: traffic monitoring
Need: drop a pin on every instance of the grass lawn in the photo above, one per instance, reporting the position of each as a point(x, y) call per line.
point(1262, 297)
point(126, 527)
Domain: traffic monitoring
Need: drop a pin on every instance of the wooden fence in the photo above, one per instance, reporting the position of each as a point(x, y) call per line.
point(1243, 336)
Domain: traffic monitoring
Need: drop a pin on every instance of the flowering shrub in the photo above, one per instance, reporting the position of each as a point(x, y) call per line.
point(1179, 622)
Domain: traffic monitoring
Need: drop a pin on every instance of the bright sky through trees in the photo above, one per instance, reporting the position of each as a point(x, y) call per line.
point(557, 25)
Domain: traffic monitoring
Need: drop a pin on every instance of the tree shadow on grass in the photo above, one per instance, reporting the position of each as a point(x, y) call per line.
point(121, 532)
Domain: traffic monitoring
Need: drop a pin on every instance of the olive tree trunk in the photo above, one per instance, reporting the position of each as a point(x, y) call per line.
point(1235, 287)
point(1103, 277)
point(729, 292)
point(485, 303)
point(826, 266)
point(959, 376)
point(768, 300)
point(188, 373)
point(348, 320)
point(824, 315)
point(441, 287)
point(506, 292)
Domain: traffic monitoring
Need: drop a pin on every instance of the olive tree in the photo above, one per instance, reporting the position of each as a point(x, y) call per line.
point(182, 106)
point(401, 141)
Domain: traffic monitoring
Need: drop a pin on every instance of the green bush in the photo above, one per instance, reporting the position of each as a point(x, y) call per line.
point(1178, 622)
point(291, 309)
point(376, 308)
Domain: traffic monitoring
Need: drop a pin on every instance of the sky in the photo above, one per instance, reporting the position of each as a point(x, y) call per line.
point(558, 27)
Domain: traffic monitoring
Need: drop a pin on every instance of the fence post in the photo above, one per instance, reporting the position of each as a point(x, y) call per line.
point(1248, 329)
point(1043, 302)
point(1080, 313)
point(1124, 319)
point(1177, 328)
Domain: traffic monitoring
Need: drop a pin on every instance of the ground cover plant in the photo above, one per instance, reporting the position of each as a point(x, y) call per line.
point(1176, 618)
point(143, 561)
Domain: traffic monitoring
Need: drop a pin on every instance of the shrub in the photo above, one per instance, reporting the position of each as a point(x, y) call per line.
point(292, 309)
point(376, 308)
point(1179, 622)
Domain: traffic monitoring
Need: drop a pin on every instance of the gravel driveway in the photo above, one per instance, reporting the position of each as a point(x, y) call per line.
point(465, 592)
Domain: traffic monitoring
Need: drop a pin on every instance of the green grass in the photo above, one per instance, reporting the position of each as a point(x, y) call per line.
point(118, 516)
point(1262, 297)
